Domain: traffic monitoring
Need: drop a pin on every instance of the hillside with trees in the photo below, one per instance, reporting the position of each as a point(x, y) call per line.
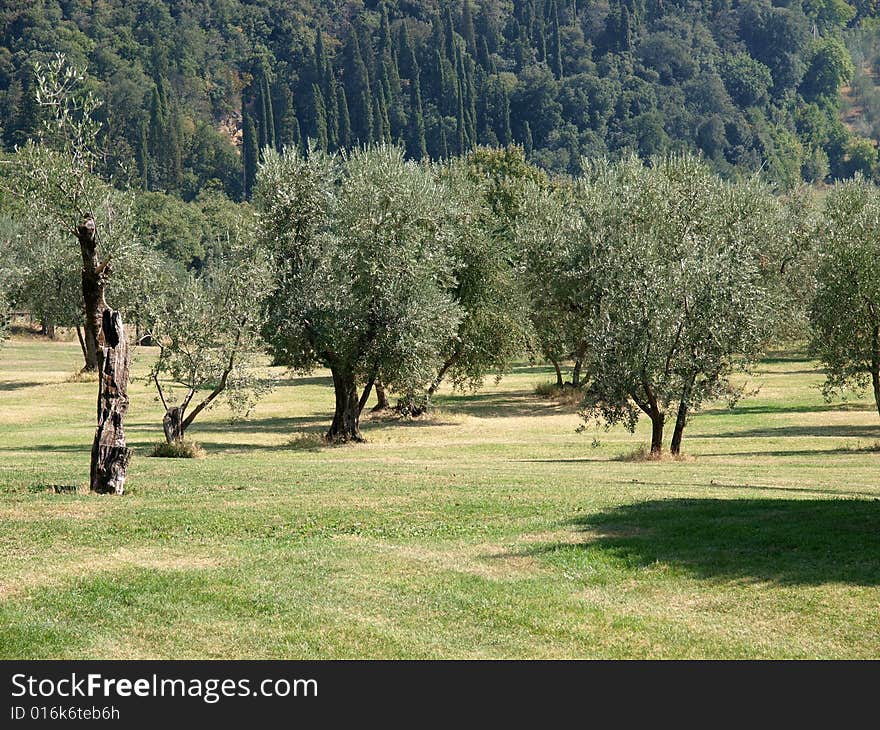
point(193, 91)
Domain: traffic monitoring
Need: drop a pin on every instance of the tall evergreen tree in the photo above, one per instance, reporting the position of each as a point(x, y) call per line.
point(358, 93)
point(249, 154)
point(320, 118)
point(467, 27)
point(344, 138)
point(554, 47)
point(416, 145)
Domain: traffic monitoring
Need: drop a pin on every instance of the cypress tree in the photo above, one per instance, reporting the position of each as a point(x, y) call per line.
point(383, 126)
point(344, 138)
point(142, 152)
point(416, 146)
point(484, 58)
point(290, 133)
point(320, 117)
point(407, 65)
point(268, 116)
point(460, 125)
point(438, 39)
point(555, 47)
point(504, 132)
point(384, 48)
point(331, 104)
point(358, 93)
point(448, 32)
point(320, 57)
point(625, 34)
point(249, 154)
point(467, 27)
point(527, 138)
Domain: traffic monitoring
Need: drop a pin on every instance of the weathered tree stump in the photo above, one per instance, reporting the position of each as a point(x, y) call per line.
point(110, 456)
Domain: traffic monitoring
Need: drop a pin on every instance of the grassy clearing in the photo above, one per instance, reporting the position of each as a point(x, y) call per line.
point(487, 529)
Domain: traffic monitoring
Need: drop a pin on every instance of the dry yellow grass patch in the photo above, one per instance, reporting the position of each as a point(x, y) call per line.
point(52, 572)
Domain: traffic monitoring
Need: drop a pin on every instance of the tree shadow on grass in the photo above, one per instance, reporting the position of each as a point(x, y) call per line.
point(510, 404)
point(782, 408)
point(809, 541)
point(818, 431)
point(18, 385)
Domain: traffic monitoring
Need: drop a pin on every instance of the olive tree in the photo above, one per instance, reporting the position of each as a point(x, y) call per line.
point(55, 184)
point(58, 195)
point(560, 250)
point(494, 327)
point(663, 265)
point(360, 244)
point(845, 313)
point(207, 329)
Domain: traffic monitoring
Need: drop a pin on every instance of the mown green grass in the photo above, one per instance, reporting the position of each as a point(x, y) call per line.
point(489, 529)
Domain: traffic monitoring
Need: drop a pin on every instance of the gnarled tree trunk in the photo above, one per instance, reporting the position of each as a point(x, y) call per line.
point(104, 339)
point(110, 456)
point(172, 424)
point(346, 418)
point(381, 398)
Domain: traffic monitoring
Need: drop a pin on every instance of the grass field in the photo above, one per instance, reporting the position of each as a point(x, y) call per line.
point(490, 529)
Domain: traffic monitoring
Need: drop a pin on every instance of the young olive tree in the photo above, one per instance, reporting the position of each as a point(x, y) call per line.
point(678, 298)
point(57, 194)
point(845, 312)
point(361, 248)
point(207, 330)
point(55, 184)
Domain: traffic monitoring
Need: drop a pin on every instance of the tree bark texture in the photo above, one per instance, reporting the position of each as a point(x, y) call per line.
point(381, 398)
point(560, 382)
point(681, 417)
point(346, 418)
point(657, 421)
point(576, 374)
point(110, 456)
point(172, 424)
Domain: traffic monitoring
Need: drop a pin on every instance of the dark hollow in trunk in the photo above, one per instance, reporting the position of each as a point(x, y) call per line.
point(381, 398)
point(94, 277)
point(110, 456)
point(346, 418)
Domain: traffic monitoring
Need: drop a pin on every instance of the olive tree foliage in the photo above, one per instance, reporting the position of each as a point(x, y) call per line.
point(662, 267)
point(561, 251)
point(791, 256)
point(845, 312)
point(56, 190)
point(494, 328)
point(208, 331)
point(361, 246)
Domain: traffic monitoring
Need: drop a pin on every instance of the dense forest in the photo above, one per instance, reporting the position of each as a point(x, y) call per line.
point(193, 90)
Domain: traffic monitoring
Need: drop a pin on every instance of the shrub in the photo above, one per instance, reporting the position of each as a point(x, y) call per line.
point(178, 450)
